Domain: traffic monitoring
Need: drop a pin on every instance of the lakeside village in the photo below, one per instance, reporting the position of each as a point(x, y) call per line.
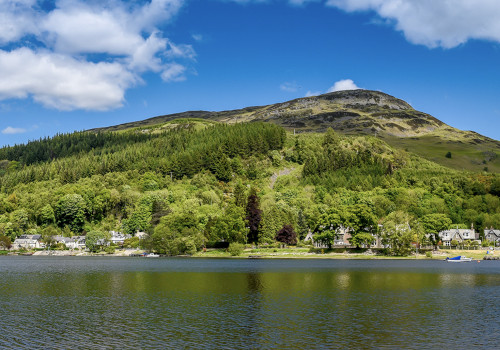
point(120, 244)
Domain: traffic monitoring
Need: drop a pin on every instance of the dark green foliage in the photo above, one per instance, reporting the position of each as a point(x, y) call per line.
point(177, 153)
point(47, 216)
point(230, 227)
point(70, 211)
point(193, 182)
point(254, 216)
point(448, 154)
point(433, 224)
point(65, 145)
point(5, 242)
point(95, 240)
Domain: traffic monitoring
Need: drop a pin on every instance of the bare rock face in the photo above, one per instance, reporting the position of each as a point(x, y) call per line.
point(362, 98)
point(350, 111)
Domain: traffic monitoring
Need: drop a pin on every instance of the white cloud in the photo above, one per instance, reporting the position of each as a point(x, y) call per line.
point(301, 2)
point(312, 93)
point(197, 37)
point(11, 131)
point(17, 18)
point(346, 84)
point(290, 87)
point(434, 23)
point(174, 72)
point(92, 52)
point(63, 82)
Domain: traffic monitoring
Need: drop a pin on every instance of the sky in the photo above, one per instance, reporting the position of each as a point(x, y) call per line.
point(71, 65)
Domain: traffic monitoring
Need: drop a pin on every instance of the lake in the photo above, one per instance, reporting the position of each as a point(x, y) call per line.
point(176, 303)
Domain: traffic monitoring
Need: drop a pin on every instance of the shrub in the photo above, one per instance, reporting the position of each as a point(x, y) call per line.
point(428, 254)
point(109, 250)
point(189, 246)
point(235, 249)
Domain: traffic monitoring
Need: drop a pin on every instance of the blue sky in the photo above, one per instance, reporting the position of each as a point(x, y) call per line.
point(69, 65)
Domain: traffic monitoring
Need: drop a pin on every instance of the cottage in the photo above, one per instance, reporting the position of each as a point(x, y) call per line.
point(492, 235)
point(75, 242)
point(28, 242)
point(342, 235)
point(118, 238)
point(459, 235)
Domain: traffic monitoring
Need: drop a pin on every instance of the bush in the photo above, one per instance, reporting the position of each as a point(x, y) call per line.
point(235, 249)
point(109, 250)
point(487, 244)
point(189, 246)
point(428, 254)
point(131, 242)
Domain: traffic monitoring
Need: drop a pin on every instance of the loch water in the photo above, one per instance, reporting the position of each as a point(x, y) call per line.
point(181, 303)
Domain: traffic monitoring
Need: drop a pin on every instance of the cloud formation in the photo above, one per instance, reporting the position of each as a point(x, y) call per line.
point(346, 84)
point(85, 54)
point(11, 131)
point(290, 86)
point(433, 23)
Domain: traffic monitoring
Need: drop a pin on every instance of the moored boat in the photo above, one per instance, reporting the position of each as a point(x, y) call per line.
point(459, 258)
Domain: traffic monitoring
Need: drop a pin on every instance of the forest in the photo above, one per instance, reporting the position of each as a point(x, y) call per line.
point(192, 184)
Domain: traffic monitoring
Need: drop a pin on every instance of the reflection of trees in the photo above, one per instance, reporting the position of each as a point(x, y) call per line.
point(252, 313)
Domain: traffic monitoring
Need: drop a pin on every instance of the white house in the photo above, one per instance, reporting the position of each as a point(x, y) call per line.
point(492, 235)
point(28, 242)
point(75, 242)
point(118, 238)
point(459, 235)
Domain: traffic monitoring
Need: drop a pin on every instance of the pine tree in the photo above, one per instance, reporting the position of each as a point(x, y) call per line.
point(254, 215)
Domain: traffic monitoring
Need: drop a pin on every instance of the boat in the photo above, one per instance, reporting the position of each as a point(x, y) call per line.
point(152, 255)
point(459, 258)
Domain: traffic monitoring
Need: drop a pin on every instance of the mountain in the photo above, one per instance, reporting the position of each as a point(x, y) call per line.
point(361, 112)
point(196, 179)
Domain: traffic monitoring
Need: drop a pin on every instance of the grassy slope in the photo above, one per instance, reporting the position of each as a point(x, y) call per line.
point(466, 155)
point(430, 139)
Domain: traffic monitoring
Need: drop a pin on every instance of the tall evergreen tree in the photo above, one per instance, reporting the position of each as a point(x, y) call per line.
point(254, 215)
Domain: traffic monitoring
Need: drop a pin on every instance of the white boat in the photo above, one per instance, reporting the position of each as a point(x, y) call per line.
point(459, 258)
point(152, 255)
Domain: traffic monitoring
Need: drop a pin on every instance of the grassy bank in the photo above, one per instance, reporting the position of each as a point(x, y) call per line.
point(292, 253)
point(305, 253)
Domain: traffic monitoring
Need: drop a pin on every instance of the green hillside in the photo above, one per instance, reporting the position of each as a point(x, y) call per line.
point(361, 112)
point(193, 183)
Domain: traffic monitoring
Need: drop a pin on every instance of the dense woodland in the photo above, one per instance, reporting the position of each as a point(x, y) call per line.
point(197, 184)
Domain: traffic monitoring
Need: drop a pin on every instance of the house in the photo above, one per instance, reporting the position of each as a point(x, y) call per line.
point(342, 235)
point(28, 242)
point(459, 235)
point(118, 238)
point(492, 235)
point(75, 242)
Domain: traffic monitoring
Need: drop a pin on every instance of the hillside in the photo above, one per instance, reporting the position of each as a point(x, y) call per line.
point(361, 112)
point(193, 183)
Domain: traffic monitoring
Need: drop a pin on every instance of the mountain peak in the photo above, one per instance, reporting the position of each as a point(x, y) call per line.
point(362, 97)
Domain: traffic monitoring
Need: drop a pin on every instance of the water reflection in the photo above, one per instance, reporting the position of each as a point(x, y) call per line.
point(171, 303)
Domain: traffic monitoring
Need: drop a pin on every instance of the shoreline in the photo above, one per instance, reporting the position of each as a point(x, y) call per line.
point(281, 253)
